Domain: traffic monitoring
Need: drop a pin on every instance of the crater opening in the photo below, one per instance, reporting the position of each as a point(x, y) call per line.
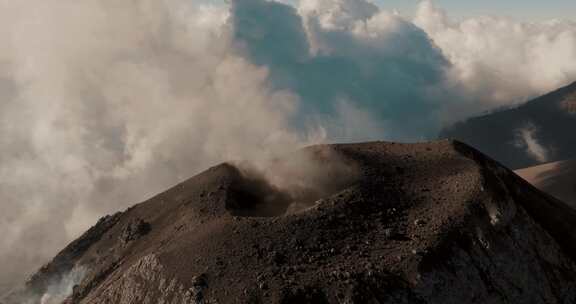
point(289, 185)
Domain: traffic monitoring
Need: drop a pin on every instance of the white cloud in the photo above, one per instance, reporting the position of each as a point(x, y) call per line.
point(500, 60)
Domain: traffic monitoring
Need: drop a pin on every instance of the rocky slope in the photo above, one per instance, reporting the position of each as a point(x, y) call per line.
point(377, 223)
point(539, 131)
point(557, 179)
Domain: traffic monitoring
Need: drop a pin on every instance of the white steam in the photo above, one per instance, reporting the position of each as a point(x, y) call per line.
point(526, 138)
point(57, 292)
point(106, 102)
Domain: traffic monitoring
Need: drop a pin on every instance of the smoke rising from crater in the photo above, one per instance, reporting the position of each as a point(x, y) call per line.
point(104, 103)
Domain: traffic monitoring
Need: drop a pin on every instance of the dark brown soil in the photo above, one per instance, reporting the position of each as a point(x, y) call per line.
point(410, 223)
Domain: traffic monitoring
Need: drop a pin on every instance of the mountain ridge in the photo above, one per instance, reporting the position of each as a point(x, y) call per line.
point(510, 136)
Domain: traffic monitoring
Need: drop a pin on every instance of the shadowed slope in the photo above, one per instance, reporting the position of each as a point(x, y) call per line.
point(509, 136)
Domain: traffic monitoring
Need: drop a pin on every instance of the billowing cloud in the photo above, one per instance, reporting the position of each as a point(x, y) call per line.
point(501, 61)
point(105, 102)
point(346, 50)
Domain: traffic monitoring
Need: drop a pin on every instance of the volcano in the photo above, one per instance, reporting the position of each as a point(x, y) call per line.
point(372, 223)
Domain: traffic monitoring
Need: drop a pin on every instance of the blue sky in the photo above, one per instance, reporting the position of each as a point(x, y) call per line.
point(520, 9)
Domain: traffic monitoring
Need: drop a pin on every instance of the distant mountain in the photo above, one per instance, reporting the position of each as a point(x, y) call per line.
point(539, 131)
point(411, 223)
point(557, 179)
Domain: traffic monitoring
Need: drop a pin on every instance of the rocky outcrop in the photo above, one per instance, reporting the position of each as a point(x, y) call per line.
point(418, 223)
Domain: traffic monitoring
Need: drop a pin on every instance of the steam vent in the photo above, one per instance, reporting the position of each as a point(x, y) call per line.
point(355, 223)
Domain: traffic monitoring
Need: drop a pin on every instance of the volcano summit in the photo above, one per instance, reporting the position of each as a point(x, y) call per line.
point(372, 223)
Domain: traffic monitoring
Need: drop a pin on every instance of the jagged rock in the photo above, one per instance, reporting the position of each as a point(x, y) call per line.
point(135, 230)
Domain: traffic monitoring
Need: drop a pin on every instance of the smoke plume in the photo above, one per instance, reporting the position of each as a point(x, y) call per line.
point(106, 102)
point(57, 292)
point(526, 138)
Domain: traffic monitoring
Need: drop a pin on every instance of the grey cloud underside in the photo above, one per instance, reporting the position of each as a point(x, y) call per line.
point(387, 74)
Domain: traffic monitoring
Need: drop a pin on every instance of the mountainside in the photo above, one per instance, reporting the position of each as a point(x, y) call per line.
point(540, 131)
point(558, 179)
point(365, 223)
